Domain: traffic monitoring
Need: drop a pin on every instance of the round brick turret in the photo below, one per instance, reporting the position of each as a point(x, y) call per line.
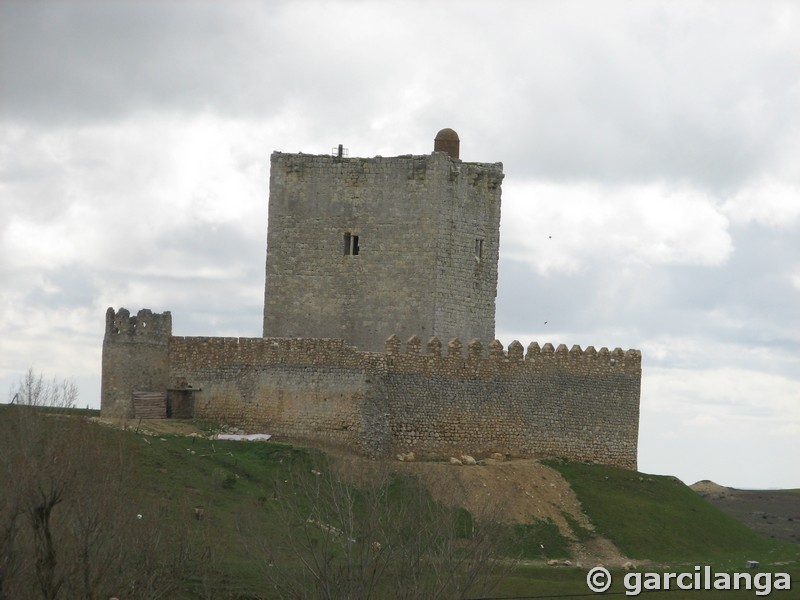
point(447, 141)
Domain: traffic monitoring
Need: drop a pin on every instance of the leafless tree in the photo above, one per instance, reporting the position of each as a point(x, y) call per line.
point(9, 524)
point(34, 390)
point(388, 539)
point(68, 512)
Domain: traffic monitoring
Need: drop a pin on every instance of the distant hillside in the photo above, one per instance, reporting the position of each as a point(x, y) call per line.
point(772, 513)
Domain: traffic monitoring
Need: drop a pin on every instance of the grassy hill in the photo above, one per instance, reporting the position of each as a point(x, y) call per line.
point(191, 517)
point(661, 519)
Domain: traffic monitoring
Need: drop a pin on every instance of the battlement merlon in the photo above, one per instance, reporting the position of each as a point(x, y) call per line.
point(145, 324)
point(453, 359)
point(514, 353)
point(417, 165)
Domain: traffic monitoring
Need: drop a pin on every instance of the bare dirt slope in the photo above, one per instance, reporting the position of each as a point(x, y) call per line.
point(516, 491)
point(774, 513)
point(505, 491)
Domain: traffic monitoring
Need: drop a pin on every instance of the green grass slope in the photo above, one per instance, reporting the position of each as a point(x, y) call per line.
point(659, 518)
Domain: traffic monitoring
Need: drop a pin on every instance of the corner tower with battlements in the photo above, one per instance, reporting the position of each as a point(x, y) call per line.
point(363, 248)
point(135, 358)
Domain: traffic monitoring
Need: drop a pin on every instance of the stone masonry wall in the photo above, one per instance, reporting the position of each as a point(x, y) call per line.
point(317, 389)
point(577, 404)
point(313, 289)
point(582, 405)
point(417, 219)
point(437, 401)
point(466, 274)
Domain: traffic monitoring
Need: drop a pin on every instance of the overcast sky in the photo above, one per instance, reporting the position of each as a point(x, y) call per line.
point(651, 198)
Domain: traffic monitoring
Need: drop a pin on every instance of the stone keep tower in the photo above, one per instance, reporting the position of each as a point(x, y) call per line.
point(363, 248)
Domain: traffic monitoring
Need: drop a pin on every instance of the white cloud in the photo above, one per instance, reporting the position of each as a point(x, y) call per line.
point(122, 189)
point(63, 342)
point(565, 227)
point(795, 278)
point(726, 400)
point(768, 202)
point(740, 427)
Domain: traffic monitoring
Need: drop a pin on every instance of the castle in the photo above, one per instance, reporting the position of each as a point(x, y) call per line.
point(363, 254)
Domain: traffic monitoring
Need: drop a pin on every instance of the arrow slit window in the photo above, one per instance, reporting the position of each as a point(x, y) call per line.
point(351, 247)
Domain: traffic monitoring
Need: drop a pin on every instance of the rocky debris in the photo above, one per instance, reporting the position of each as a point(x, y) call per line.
point(468, 460)
point(407, 457)
point(553, 562)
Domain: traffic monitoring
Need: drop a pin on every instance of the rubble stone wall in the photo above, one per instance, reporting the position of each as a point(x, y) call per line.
point(436, 400)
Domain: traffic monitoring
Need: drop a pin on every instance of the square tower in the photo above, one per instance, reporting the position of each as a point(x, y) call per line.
point(363, 248)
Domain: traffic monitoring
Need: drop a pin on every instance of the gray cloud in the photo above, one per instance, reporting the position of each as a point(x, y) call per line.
point(80, 62)
point(584, 93)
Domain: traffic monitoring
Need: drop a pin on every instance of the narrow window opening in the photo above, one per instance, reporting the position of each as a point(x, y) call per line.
point(479, 248)
point(351, 246)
